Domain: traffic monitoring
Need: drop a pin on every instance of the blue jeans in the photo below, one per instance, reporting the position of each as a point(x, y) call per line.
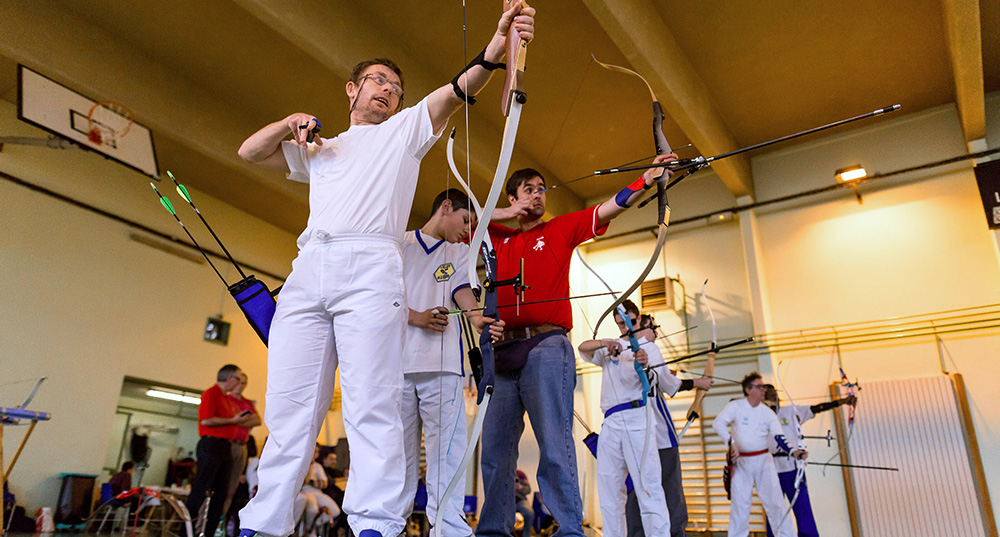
point(544, 388)
point(802, 509)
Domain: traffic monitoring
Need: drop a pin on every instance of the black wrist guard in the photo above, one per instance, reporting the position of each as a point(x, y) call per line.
point(816, 409)
point(686, 384)
point(480, 60)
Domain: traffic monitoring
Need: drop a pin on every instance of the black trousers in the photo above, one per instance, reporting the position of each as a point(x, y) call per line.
point(670, 473)
point(215, 462)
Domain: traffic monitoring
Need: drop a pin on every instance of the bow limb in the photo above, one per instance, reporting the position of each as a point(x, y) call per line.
point(513, 99)
point(454, 170)
point(662, 146)
point(663, 209)
point(661, 237)
point(695, 411)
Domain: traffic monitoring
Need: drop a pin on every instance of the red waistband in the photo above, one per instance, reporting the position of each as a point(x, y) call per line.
point(753, 453)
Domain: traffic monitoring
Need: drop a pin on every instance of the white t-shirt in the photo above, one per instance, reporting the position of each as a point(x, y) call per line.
point(433, 270)
point(363, 180)
point(316, 476)
point(753, 427)
point(666, 384)
point(619, 381)
point(790, 417)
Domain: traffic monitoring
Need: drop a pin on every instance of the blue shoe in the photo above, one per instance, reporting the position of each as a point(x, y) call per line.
point(247, 533)
point(365, 533)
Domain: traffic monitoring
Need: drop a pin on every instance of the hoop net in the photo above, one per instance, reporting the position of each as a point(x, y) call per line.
point(107, 121)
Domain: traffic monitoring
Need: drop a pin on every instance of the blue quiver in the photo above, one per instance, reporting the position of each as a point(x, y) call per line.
point(591, 442)
point(257, 304)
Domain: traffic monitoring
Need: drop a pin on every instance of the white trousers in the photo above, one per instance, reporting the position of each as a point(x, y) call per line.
point(436, 400)
point(758, 469)
point(343, 304)
point(618, 452)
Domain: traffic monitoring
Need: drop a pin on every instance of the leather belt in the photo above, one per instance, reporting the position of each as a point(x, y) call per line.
point(528, 332)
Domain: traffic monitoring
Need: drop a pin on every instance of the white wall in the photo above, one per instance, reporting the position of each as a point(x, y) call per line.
point(918, 244)
point(85, 306)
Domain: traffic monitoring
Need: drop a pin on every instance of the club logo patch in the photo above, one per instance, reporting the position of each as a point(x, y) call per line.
point(539, 244)
point(444, 272)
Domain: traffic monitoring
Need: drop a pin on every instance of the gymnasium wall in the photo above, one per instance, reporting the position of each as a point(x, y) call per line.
point(84, 305)
point(918, 244)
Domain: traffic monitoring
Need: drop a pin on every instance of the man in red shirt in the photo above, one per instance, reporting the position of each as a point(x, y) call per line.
point(535, 362)
point(218, 422)
point(244, 408)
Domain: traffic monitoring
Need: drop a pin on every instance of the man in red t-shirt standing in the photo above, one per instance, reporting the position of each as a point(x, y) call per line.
point(218, 422)
point(535, 362)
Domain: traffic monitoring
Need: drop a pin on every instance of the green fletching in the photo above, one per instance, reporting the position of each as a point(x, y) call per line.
point(167, 205)
point(183, 192)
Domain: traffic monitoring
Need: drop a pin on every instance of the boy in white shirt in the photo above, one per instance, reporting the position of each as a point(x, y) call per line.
point(434, 258)
point(753, 426)
point(627, 431)
point(667, 443)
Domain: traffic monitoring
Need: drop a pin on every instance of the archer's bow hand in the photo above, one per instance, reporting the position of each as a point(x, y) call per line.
point(303, 128)
point(651, 175)
point(523, 18)
point(799, 454)
point(849, 400)
point(642, 357)
point(435, 318)
point(480, 322)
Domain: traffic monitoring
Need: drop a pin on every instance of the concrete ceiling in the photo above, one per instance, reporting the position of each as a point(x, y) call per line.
point(205, 75)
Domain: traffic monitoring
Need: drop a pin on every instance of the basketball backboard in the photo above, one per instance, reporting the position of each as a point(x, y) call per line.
point(99, 126)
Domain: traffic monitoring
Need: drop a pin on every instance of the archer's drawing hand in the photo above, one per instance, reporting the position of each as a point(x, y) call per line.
point(518, 207)
point(435, 318)
point(703, 383)
point(613, 347)
point(302, 125)
point(653, 174)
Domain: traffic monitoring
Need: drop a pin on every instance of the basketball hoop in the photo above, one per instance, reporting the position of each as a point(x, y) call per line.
point(107, 121)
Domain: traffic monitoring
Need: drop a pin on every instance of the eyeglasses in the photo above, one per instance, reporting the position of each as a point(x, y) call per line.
point(381, 81)
point(620, 322)
point(756, 386)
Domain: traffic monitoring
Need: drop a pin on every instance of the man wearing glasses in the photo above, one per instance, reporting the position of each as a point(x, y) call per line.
point(753, 424)
point(344, 302)
point(535, 363)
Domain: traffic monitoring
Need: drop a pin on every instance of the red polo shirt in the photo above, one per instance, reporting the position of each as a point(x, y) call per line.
point(242, 404)
point(547, 249)
point(216, 404)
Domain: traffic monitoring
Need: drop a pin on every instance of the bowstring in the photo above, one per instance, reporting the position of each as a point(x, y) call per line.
point(444, 472)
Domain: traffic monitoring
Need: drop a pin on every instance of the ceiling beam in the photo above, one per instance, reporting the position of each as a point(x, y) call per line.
point(640, 33)
point(965, 47)
point(349, 36)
